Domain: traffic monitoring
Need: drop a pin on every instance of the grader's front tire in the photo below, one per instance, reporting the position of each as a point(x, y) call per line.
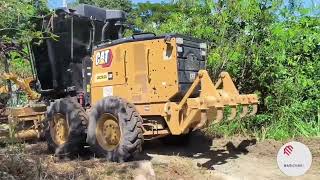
point(115, 130)
point(65, 128)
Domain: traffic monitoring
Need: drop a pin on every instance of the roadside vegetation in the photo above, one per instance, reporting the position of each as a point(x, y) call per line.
point(270, 47)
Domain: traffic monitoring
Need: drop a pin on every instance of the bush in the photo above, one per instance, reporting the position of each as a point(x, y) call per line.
point(271, 48)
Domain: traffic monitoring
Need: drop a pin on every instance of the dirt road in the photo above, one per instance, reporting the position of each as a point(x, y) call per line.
point(236, 158)
point(202, 158)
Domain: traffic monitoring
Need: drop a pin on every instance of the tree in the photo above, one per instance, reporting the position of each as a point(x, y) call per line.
point(150, 16)
point(269, 47)
point(16, 30)
point(125, 5)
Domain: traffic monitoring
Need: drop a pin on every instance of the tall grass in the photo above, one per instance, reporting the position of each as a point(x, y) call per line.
point(297, 120)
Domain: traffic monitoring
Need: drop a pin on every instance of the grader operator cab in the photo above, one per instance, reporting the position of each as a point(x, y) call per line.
point(113, 93)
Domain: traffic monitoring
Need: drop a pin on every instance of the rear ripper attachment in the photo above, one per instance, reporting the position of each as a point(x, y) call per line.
point(209, 105)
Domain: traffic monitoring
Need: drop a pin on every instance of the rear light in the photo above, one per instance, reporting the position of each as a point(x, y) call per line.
point(203, 45)
point(179, 40)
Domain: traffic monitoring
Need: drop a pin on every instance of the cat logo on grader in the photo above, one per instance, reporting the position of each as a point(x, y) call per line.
point(104, 58)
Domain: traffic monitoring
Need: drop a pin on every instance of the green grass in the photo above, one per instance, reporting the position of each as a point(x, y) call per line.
point(297, 120)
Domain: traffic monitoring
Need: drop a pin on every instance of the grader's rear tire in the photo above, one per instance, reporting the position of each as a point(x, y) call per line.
point(65, 128)
point(115, 130)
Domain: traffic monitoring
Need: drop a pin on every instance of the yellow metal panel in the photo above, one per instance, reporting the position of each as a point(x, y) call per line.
point(142, 72)
point(163, 70)
point(151, 109)
point(108, 67)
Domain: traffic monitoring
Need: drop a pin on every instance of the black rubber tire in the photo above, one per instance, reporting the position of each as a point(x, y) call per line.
point(2, 109)
point(77, 120)
point(130, 123)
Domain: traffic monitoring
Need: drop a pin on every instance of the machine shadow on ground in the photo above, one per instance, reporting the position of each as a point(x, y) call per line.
point(198, 147)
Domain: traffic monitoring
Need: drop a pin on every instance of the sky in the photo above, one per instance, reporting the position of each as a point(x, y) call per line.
point(58, 3)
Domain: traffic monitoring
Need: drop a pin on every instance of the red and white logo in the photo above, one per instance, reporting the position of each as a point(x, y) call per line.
point(104, 58)
point(294, 159)
point(288, 150)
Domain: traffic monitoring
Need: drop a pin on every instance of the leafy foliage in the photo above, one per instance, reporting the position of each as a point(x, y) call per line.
point(17, 29)
point(269, 47)
point(125, 5)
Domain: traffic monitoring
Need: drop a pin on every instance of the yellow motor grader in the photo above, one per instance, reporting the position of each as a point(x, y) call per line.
point(22, 123)
point(112, 93)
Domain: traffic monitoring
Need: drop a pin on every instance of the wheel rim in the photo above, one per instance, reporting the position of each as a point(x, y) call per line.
point(108, 132)
point(59, 129)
